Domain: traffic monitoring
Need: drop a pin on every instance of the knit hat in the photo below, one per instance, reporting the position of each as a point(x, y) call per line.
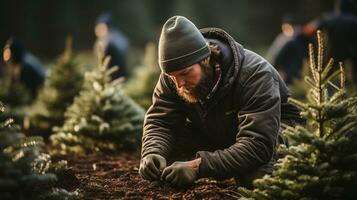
point(181, 45)
point(105, 18)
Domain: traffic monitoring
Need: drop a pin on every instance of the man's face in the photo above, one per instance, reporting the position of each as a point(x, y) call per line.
point(6, 55)
point(101, 30)
point(194, 82)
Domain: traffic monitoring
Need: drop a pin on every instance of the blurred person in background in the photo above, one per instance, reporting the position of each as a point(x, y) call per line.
point(114, 42)
point(340, 33)
point(23, 66)
point(289, 28)
point(340, 29)
point(289, 60)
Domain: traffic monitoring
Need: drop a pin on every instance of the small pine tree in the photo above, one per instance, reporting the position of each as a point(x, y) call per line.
point(321, 162)
point(14, 94)
point(101, 118)
point(60, 88)
point(142, 85)
point(24, 167)
point(15, 97)
point(299, 88)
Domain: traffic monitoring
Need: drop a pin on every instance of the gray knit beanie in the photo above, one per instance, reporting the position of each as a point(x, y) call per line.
point(181, 45)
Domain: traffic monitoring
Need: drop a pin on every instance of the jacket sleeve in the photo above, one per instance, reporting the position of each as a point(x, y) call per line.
point(163, 117)
point(259, 121)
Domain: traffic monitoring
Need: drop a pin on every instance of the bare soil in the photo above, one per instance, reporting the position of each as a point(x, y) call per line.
point(116, 177)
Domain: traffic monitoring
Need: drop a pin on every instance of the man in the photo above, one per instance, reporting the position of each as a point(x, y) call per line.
point(290, 31)
point(23, 66)
point(340, 27)
point(340, 30)
point(114, 42)
point(289, 60)
point(216, 104)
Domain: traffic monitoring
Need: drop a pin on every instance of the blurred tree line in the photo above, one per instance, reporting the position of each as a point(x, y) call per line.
point(43, 25)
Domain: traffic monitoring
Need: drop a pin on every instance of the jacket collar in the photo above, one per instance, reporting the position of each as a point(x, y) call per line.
point(229, 71)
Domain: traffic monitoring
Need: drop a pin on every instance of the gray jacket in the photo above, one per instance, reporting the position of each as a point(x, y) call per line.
point(242, 116)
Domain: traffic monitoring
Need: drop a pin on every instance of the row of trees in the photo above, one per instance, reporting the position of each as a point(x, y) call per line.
point(321, 161)
point(85, 111)
point(26, 171)
point(82, 111)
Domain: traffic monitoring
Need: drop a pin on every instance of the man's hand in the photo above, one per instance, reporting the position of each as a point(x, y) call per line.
point(151, 166)
point(181, 173)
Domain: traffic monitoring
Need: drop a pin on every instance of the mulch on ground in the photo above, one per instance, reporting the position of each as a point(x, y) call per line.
point(116, 177)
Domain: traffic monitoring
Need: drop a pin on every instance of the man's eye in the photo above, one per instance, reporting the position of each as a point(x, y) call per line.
point(184, 73)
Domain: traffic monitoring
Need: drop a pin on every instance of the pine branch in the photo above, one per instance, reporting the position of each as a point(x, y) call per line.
point(327, 69)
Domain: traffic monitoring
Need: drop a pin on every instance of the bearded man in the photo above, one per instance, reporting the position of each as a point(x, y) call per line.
point(217, 109)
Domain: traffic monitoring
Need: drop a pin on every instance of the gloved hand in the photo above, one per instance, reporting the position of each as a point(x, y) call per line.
point(181, 173)
point(151, 166)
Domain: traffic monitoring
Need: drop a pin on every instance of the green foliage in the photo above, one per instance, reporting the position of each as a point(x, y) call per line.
point(60, 88)
point(24, 167)
point(14, 93)
point(142, 85)
point(15, 97)
point(321, 162)
point(299, 87)
point(101, 117)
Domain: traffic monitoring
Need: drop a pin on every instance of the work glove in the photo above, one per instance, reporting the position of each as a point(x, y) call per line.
point(180, 174)
point(151, 166)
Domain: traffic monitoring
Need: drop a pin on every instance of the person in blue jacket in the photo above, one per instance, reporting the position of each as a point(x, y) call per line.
point(114, 42)
point(23, 66)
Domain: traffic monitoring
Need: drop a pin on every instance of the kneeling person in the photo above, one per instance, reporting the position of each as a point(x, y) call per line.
point(217, 109)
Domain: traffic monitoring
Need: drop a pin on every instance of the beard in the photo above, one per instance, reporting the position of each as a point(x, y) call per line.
point(195, 93)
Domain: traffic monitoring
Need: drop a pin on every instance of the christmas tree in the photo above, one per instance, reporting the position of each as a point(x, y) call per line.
point(24, 167)
point(142, 85)
point(321, 162)
point(101, 117)
point(299, 88)
point(14, 94)
point(60, 88)
point(15, 97)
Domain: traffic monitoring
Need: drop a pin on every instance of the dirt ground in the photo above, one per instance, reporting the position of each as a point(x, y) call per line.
point(116, 177)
